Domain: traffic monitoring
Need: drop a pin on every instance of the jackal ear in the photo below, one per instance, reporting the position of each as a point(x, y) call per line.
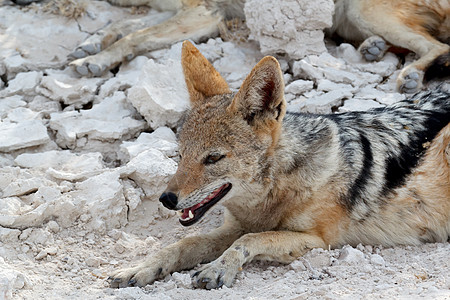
point(261, 96)
point(202, 80)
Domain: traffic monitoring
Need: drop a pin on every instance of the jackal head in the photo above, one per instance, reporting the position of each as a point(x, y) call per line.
point(227, 140)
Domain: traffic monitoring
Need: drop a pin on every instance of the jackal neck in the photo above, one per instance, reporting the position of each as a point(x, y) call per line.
point(307, 152)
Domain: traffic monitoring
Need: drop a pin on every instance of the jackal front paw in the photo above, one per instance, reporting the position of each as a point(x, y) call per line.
point(85, 50)
point(91, 65)
point(409, 80)
point(373, 48)
point(95, 43)
point(214, 275)
point(138, 276)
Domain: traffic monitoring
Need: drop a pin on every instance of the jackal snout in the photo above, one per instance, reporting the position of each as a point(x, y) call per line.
point(169, 200)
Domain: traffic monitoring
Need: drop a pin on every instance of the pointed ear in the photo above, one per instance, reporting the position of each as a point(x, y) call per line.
point(202, 79)
point(260, 99)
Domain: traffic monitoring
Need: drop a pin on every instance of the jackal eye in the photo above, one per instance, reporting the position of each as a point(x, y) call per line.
point(213, 158)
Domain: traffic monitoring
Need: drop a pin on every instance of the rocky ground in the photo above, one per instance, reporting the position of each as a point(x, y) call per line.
point(83, 160)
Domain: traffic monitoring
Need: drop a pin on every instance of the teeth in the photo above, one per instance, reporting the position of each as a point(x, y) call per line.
point(179, 213)
point(191, 215)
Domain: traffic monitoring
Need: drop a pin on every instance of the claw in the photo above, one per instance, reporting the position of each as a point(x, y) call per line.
point(220, 283)
point(118, 280)
point(195, 274)
point(132, 282)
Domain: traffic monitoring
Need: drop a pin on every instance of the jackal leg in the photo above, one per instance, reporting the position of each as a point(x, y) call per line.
point(182, 255)
point(280, 246)
point(417, 40)
point(105, 37)
point(191, 23)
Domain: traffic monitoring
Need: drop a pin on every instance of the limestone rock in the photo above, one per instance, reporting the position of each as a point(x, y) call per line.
point(162, 139)
point(356, 104)
point(21, 135)
point(151, 170)
point(110, 120)
point(293, 27)
point(160, 95)
point(64, 86)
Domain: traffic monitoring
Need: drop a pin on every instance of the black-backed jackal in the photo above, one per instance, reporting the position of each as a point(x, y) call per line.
point(291, 182)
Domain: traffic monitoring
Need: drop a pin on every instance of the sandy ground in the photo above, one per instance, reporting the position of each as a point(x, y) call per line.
point(65, 250)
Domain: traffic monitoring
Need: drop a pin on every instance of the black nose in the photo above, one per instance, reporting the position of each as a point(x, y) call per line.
point(169, 200)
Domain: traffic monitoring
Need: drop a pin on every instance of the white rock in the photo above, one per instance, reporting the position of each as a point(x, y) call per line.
point(299, 87)
point(39, 236)
point(66, 87)
point(10, 281)
point(26, 36)
point(44, 105)
point(110, 120)
point(323, 103)
point(385, 67)
point(19, 187)
point(8, 235)
point(296, 105)
point(162, 139)
point(386, 98)
point(63, 160)
point(21, 215)
point(25, 134)
point(6, 160)
point(234, 64)
point(334, 69)
point(348, 53)
point(356, 104)
point(351, 256)
point(297, 266)
point(151, 170)
point(376, 259)
point(10, 208)
point(293, 27)
point(24, 83)
point(161, 95)
point(127, 77)
point(327, 86)
point(9, 103)
point(101, 197)
point(14, 64)
point(20, 114)
point(182, 280)
point(53, 226)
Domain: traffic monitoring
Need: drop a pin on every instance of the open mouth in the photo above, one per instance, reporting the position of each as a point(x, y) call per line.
point(192, 214)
